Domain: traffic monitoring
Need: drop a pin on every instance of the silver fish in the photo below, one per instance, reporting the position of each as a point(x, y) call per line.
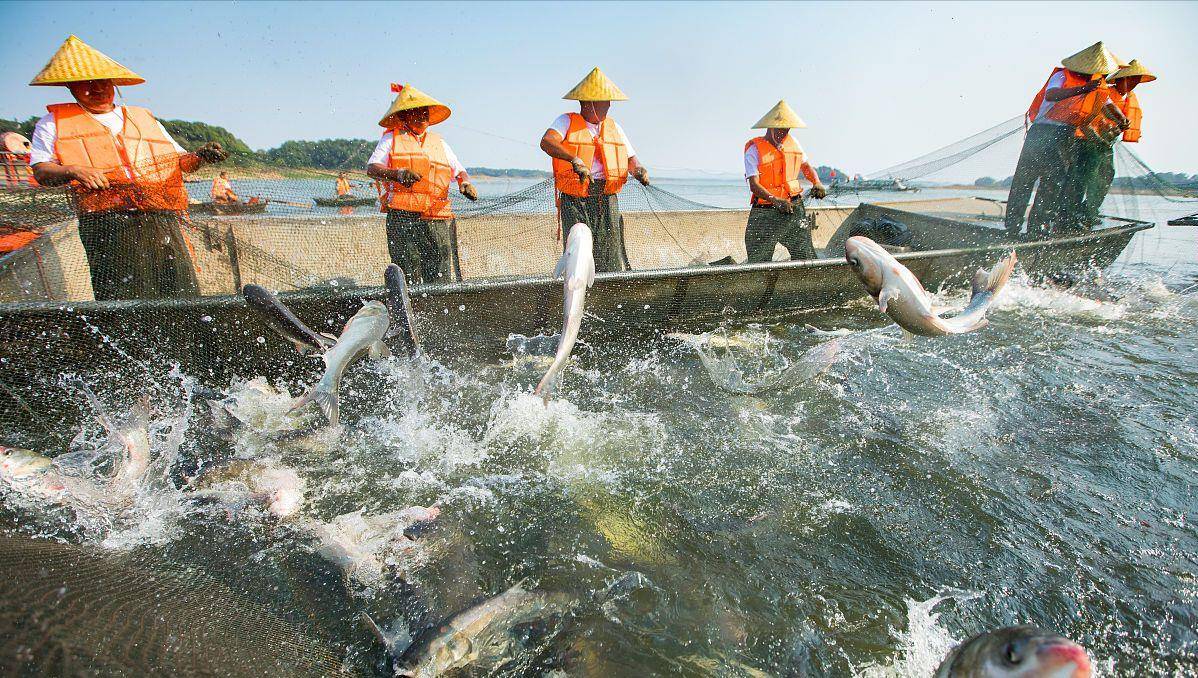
point(480, 636)
point(399, 304)
point(277, 488)
point(283, 321)
point(128, 441)
point(1016, 652)
point(577, 269)
point(901, 296)
point(362, 334)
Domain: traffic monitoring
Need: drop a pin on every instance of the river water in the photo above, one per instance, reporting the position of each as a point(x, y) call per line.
point(1042, 470)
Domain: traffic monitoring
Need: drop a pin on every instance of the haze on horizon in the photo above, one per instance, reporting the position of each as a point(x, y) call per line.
point(877, 84)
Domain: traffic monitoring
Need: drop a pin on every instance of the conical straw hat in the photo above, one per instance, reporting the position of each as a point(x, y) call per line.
point(1133, 69)
point(781, 116)
point(409, 98)
point(596, 87)
point(1093, 60)
point(77, 61)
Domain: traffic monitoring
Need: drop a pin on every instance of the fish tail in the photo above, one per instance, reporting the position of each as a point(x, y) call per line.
point(995, 279)
point(326, 399)
point(545, 386)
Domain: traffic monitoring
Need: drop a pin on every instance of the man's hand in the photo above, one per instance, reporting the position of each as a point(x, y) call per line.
point(640, 174)
point(211, 153)
point(580, 168)
point(406, 176)
point(469, 191)
point(818, 192)
point(783, 205)
point(89, 177)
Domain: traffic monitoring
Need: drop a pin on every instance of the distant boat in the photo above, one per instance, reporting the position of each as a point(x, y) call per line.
point(228, 208)
point(345, 201)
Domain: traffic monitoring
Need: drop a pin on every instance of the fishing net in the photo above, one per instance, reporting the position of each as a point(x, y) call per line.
point(146, 301)
point(70, 610)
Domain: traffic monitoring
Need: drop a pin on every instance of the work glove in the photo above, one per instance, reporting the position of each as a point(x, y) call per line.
point(211, 152)
point(469, 191)
point(406, 176)
point(641, 174)
point(583, 172)
point(783, 205)
point(818, 192)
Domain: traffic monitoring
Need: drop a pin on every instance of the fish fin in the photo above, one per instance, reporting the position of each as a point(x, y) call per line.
point(560, 269)
point(327, 401)
point(885, 297)
point(907, 334)
point(379, 350)
point(591, 272)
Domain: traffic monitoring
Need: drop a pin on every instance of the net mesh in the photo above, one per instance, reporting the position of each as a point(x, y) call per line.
point(145, 301)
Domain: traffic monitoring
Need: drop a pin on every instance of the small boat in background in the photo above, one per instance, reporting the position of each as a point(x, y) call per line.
point(345, 201)
point(253, 206)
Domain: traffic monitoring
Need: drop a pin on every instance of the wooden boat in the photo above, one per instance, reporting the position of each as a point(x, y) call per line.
point(345, 201)
point(1191, 220)
point(228, 208)
point(217, 336)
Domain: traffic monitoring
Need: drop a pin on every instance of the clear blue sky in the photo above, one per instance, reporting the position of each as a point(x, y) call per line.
point(877, 83)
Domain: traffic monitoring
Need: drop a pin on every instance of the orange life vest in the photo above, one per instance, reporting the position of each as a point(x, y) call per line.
point(11, 242)
point(430, 195)
point(220, 188)
point(342, 186)
point(141, 163)
point(1131, 109)
point(583, 145)
point(1066, 110)
point(16, 169)
point(778, 169)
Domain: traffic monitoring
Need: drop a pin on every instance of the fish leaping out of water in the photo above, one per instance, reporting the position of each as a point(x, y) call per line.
point(901, 296)
point(283, 321)
point(577, 269)
point(362, 334)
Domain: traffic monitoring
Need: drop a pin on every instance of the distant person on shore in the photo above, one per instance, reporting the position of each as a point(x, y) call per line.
point(126, 173)
point(344, 190)
point(222, 190)
point(417, 167)
point(1050, 148)
point(1094, 170)
point(773, 163)
point(592, 159)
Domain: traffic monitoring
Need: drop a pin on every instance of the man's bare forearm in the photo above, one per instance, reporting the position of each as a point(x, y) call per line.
point(52, 174)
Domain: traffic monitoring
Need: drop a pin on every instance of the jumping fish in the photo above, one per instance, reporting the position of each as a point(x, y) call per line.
point(19, 463)
point(277, 488)
point(128, 441)
point(481, 636)
point(283, 321)
point(577, 269)
point(399, 304)
point(362, 334)
point(362, 545)
point(901, 296)
point(1016, 652)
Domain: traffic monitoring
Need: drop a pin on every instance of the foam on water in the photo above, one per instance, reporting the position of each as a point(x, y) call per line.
point(923, 644)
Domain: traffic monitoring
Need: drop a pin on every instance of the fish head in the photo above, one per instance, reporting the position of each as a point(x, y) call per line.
point(868, 261)
point(371, 309)
point(16, 463)
point(1017, 652)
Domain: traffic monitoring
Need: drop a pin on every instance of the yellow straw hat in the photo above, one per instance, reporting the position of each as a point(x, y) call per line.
point(77, 61)
point(596, 87)
point(409, 98)
point(1093, 60)
point(1133, 69)
point(781, 116)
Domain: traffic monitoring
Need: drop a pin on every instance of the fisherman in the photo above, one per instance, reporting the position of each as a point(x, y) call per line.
point(126, 174)
point(1049, 148)
point(343, 188)
point(222, 190)
point(418, 166)
point(1094, 170)
point(592, 159)
point(773, 163)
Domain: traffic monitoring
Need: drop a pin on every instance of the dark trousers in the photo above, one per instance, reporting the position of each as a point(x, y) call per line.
point(137, 255)
point(768, 227)
point(1089, 182)
point(1047, 157)
point(601, 213)
point(426, 249)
